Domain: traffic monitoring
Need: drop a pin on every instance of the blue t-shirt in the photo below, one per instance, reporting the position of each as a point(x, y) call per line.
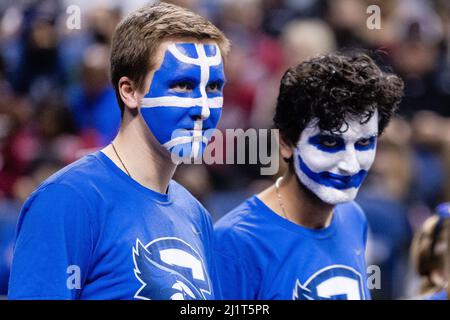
point(262, 256)
point(440, 295)
point(92, 232)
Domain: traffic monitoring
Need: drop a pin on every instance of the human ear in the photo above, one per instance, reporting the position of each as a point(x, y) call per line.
point(129, 93)
point(285, 148)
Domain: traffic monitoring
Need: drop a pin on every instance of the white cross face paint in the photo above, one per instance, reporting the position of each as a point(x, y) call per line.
point(184, 102)
point(333, 166)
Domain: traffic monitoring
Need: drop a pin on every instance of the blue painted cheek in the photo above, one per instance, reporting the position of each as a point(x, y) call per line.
point(333, 180)
point(165, 120)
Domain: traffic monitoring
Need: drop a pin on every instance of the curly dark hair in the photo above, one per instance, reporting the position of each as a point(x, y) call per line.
point(331, 88)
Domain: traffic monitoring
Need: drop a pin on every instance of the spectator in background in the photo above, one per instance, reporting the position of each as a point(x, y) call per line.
point(56, 132)
point(429, 250)
point(446, 154)
point(241, 21)
point(97, 27)
point(11, 121)
point(93, 102)
point(300, 39)
point(278, 13)
point(8, 219)
point(383, 198)
point(417, 56)
point(348, 20)
point(447, 265)
point(39, 68)
point(428, 141)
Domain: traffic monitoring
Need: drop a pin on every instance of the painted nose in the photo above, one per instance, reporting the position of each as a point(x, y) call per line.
point(201, 113)
point(349, 164)
point(206, 112)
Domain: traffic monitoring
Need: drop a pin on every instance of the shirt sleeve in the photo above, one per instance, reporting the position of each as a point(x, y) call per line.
point(53, 245)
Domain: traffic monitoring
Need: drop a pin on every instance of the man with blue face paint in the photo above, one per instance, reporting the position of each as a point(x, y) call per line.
point(185, 98)
point(304, 238)
point(114, 225)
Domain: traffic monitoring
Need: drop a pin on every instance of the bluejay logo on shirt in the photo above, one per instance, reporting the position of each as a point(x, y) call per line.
point(335, 282)
point(170, 269)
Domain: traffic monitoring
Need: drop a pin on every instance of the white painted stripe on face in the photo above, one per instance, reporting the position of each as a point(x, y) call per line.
point(177, 141)
point(204, 78)
point(181, 102)
point(181, 140)
point(180, 56)
point(197, 138)
point(212, 61)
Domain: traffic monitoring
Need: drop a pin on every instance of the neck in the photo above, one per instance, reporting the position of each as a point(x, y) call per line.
point(301, 206)
point(146, 161)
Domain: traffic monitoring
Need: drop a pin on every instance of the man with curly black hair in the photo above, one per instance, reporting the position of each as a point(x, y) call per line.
point(304, 237)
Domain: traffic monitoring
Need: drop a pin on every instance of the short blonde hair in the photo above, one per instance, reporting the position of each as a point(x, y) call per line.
point(138, 36)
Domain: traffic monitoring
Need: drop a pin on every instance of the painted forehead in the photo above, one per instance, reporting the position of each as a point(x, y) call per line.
point(354, 130)
point(195, 63)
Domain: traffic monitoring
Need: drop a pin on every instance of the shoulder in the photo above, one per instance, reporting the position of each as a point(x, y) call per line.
point(352, 210)
point(53, 210)
point(182, 198)
point(440, 295)
point(74, 186)
point(236, 229)
point(237, 218)
point(352, 219)
point(79, 174)
point(180, 194)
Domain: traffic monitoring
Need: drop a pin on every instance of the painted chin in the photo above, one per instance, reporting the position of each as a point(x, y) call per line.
point(335, 196)
point(329, 194)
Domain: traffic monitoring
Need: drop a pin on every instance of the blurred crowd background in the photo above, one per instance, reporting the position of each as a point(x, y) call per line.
point(57, 104)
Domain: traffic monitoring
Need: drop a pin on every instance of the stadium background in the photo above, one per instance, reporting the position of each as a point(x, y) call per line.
point(56, 103)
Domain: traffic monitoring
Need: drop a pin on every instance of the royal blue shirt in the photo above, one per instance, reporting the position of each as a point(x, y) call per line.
point(440, 295)
point(262, 256)
point(92, 232)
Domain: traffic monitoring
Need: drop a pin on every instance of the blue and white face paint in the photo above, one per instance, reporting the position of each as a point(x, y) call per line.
point(184, 102)
point(334, 166)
